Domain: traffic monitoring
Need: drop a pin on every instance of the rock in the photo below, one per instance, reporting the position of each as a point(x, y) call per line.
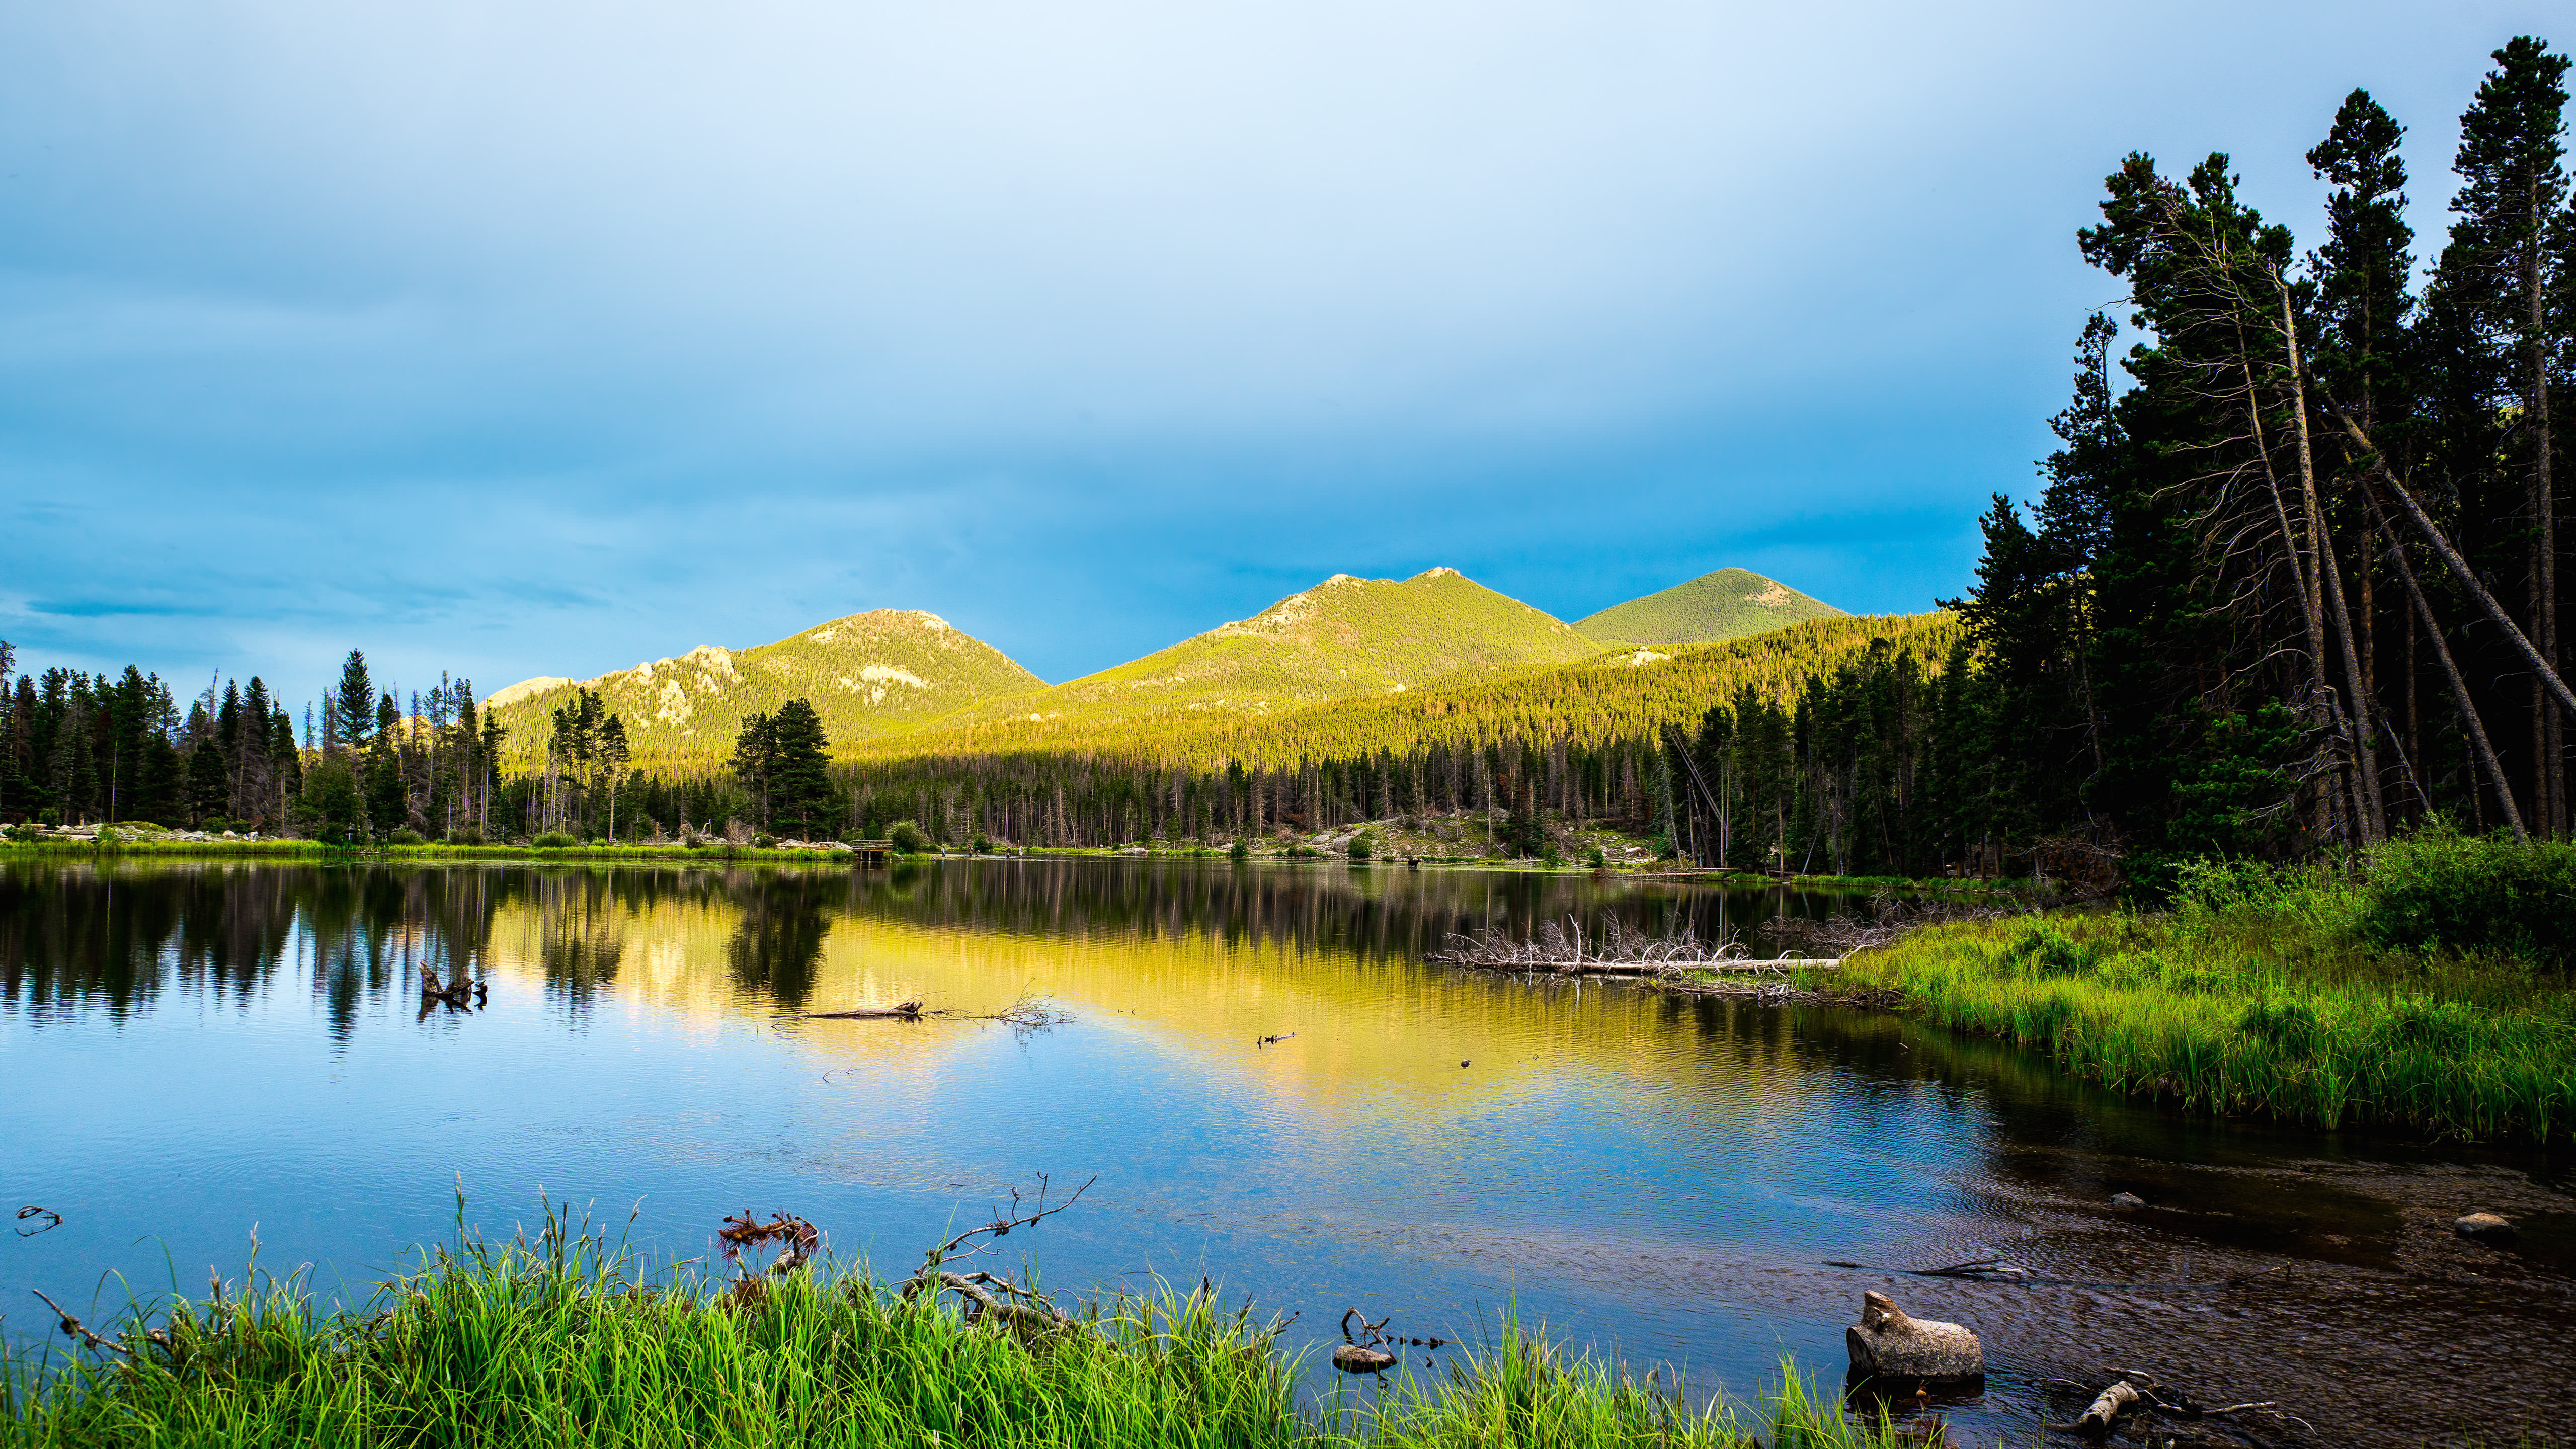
point(1350, 1358)
point(1888, 1344)
point(2127, 1200)
point(2482, 1225)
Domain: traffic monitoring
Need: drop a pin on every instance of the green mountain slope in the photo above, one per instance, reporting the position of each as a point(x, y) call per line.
point(1728, 604)
point(1344, 637)
point(1597, 700)
point(866, 674)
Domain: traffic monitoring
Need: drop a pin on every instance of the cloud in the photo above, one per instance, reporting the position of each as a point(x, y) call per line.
point(539, 339)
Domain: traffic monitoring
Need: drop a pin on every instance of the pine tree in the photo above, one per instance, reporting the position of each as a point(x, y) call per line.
point(354, 703)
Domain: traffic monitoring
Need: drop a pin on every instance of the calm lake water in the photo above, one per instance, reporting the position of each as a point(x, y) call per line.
point(191, 1050)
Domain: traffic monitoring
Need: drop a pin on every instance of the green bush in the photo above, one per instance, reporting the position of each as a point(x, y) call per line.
point(1240, 850)
point(403, 835)
point(2439, 889)
point(764, 841)
point(553, 840)
point(908, 837)
point(1360, 848)
point(982, 844)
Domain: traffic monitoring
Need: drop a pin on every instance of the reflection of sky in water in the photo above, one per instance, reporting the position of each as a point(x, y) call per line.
point(196, 1051)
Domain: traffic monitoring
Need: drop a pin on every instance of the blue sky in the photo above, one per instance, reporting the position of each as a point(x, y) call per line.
point(517, 339)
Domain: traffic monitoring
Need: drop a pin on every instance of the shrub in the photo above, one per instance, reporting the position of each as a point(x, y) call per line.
point(553, 840)
point(1360, 848)
point(465, 837)
point(908, 837)
point(764, 841)
point(403, 835)
point(1600, 858)
point(1240, 850)
point(982, 844)
point(2438, 888)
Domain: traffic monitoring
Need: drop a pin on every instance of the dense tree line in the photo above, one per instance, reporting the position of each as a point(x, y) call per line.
point(87, 749)
point(2296, 585)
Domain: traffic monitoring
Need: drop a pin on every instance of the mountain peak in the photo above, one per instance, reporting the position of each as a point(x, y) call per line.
point(1727, 604)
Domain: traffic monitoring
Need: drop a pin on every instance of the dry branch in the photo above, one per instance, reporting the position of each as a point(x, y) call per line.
point(1028, 1013)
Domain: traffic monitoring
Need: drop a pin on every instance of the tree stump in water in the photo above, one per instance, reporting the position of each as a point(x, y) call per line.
point(1352, 1358)
point(1888, 1344)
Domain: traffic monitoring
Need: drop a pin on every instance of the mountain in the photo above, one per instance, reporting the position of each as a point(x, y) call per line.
point(866, 674)
point(1728, 604)
point(1602, 698)
point(1342, 638)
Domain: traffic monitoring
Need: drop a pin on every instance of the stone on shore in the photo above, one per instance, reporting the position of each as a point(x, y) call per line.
point(2483, 1226)
point(1887, 1343)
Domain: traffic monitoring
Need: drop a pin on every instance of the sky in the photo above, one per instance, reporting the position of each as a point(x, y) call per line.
point(507, 339)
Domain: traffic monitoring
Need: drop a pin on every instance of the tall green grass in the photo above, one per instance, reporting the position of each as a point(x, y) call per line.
point(2281, 992)
point(569, 1341)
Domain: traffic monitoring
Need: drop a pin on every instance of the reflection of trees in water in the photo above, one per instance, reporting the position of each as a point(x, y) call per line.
point(82, 936)
point(1377, 911)
point(74, 936)
point(778, 943)
point(581, 937)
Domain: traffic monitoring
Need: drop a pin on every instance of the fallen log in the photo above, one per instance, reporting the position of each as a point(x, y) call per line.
point(1738, 965)
point(2106, 1406)
point(900, 1011)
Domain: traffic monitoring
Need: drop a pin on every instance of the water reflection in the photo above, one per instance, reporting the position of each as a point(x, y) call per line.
point(1668, 1176)
point(78, 936)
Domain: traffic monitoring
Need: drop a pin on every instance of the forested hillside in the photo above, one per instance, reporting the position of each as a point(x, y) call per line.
point(1345, 637)
point(865, 674)
point(1585, 740)
point(1727, 604)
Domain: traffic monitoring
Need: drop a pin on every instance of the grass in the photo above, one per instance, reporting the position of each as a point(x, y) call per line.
point(2307, 995)
point(569, 1341)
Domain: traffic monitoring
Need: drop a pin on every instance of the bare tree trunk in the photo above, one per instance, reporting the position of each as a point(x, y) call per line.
point(2460, 569)
point(2374, 816)
point(2432, 627)
point(2550, 773)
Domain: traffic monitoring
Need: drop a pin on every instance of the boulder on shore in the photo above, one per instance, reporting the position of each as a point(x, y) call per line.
point(2482, 1225)
point(1886, 1343)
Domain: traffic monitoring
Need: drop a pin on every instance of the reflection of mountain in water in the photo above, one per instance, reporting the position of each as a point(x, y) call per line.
point(114, 937)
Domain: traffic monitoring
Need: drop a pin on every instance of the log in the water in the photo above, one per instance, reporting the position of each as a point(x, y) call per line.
point(900, 1011)
point(1621, 968)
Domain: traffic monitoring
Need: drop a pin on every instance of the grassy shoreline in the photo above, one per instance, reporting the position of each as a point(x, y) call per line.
point(569, 1341)
point(2418, 994)
point(296, 849)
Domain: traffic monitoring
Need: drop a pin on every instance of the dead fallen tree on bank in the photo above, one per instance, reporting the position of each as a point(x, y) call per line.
point(987, 1294)
point(1889, 921)
point(1566, 950)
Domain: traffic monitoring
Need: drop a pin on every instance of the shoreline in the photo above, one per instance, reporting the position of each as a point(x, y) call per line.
point(286, 847)
point(571, 1339)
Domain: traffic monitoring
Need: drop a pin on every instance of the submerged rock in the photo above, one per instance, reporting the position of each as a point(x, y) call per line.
point(2483, 1225)
point(1889, 1344)
point(2127, 1200)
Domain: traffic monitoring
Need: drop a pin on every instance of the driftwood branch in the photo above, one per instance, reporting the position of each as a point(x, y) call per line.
point(1028, 1013)
point(52, 1218)
point(79, 1330)
point(1001, 1225)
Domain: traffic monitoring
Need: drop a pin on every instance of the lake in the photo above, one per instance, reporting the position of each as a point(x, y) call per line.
point(194, 1049)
